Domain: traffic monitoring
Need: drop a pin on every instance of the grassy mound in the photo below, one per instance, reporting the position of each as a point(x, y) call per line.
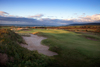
point(18, 56)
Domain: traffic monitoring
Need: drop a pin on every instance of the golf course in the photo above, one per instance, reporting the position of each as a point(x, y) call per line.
point(49, 33)
point(72, 49)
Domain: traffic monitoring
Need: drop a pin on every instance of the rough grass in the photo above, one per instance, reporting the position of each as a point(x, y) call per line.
point(9, 44)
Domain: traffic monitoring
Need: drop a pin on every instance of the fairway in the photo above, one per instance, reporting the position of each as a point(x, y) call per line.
point(73, 49)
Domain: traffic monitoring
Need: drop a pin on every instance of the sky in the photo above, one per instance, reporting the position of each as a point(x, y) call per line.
point(49, 12)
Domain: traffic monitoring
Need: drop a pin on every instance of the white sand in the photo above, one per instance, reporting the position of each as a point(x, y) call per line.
point(34, 43)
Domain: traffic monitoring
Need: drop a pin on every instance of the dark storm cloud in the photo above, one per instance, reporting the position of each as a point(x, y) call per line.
point(17, 19)
point(45, 21)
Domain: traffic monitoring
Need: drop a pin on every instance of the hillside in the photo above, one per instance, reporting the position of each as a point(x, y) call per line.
point(13, 55)
point(83, 24)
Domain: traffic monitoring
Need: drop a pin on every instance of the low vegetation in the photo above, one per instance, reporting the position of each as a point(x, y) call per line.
point(81, 28)
point(74, 49)
point(20, 57)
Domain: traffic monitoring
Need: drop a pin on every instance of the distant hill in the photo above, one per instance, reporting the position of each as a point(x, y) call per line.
point(24, 25)
point(84, 24)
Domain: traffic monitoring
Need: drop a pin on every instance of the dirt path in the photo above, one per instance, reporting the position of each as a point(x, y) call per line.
point(34, 43)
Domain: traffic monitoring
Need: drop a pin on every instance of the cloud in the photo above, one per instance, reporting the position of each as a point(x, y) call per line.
point(21, 19)
point(32, 20)
point(56, 21)
point(2, 13)
point(93, 18)
point(37, 16)
point(75, 13)
point(83, 13)
point(5, 14)
point(42, 21)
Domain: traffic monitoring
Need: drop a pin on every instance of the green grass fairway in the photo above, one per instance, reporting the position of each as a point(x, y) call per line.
point(74, 49)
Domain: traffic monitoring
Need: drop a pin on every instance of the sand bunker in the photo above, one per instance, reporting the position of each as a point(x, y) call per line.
point(34, 43)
